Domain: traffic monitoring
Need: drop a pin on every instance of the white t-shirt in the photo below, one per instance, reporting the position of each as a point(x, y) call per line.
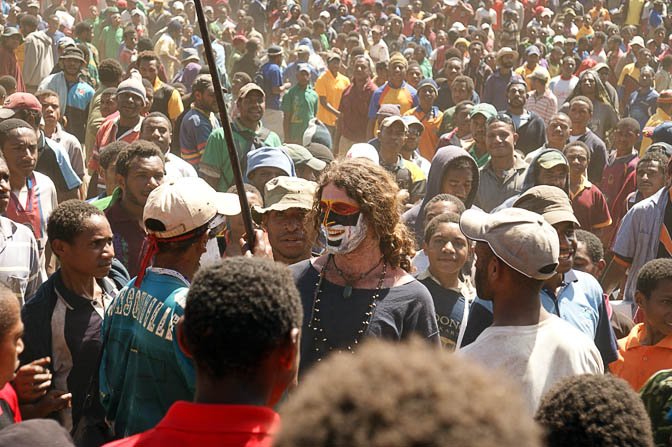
point(536, 356)
point(562, 88)
point(482, 13)
point(379, 52)
point(178, 168)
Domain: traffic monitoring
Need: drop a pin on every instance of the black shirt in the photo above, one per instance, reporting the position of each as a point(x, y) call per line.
point(400, 311)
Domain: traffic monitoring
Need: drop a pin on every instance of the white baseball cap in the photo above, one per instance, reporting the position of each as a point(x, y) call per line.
point(184, 204)
point(363, 150)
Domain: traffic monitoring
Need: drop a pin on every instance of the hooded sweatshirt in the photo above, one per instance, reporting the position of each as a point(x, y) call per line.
point(414, 218)
point(38, 60)
point(530, 180)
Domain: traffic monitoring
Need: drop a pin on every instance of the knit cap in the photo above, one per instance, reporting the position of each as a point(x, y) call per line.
point(133, 85)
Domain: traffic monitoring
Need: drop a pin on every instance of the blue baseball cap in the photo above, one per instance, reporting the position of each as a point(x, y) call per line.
point(662, 133)
point(270, 157)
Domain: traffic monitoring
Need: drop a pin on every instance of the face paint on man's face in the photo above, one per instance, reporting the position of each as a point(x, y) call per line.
point(343, 224)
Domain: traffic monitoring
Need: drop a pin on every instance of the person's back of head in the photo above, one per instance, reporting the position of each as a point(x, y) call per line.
point(593, 410)
point(430, 398)
point(242, 323)
point(9, 83)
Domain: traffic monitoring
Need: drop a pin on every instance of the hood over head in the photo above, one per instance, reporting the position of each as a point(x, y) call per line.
point(530, 180)
point(444, 157)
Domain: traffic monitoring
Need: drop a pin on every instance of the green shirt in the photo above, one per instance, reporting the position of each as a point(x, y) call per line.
point(301, 106)
point(110, 39)
point(215, 161)
point(107, 201)
point(426, 68)
point(480, 162)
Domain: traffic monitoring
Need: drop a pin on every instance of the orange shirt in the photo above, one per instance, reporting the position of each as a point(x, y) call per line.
point(429, 139)
point(637, 363)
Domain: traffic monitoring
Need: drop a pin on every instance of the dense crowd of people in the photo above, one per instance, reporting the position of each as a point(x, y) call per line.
point(462, 217)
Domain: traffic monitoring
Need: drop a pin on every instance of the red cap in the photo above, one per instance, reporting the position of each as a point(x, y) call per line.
point(17, 101)
point(121, 3)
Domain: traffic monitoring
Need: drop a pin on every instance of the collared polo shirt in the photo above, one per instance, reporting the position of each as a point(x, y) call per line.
point(494, 190)
point(107, 133)
point(545, 105)
point(188, 424)
point(195, 129)
point(480, 161)
point(590, 207)
point(636, 362)
point(215, 161)
point(331, 87)
point(580, 302)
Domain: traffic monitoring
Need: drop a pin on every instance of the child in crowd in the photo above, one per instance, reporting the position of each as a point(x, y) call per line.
point(447, 250)
point(648, 348)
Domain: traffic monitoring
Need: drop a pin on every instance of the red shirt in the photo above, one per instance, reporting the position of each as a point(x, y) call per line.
point(203, 425)
point(590, 207)
point(9, 406)
point(354, 110)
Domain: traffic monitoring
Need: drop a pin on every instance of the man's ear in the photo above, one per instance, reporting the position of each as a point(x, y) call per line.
point(121, 182)
point(289, 355)
point(182, 338)
point(601, 265)
point(59, 247)
point(640, 299)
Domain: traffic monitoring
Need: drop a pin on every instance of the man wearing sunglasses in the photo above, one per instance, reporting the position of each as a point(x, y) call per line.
point(142, 371)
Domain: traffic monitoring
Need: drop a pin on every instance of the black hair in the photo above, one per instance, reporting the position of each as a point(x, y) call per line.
point(583, 99)
point(28, 21)
point(9, 82)
point(129, 31)
point(238, 310)
point(594, 411)
point(593, 244)
point(655, 155)
point(110, 71)
point(431, 398)
point(631, 123)
point(3, 92)
point(45, 94)
point(69, 219)
point(652, 273)
point(82, 27)
point(145, 44)
point(109, 153)
point(147, 55)
point(667, 60)
point(137, 149)
point(432, 225)
point(10, 310)
point(501, 117)
point(580, 144)
point(601, 36)
point(8, 126)
point(156, 115)
point(467, 80)
point(463, 104)
point(444, 198)
point(147, 85)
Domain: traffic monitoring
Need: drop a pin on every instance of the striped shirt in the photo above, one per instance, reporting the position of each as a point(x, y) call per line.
point(545, 106)
point(195, 129)
point(19, 259)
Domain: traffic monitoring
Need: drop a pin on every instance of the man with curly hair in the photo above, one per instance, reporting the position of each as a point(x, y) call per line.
point(361, 286)
point(430, 398)
point(63, 320)
point(594, 411)
point(243, 363)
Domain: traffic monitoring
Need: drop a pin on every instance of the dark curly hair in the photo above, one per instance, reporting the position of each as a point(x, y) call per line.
point(652, 273)
point(594, 411)
point(110, 153)
point(10, 310)
point(376, 193)
point(237, 311)
point(139, 149)
point(433, 224)
point(431, 398)
point(7, 126)
point(9, 82)
point(110, 71)
point(593, 244)
point(444, 197)
point(70, 219)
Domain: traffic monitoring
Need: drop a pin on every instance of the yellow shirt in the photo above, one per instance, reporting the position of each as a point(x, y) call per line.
point(634, 12)
point(332, 89)
point(166, 46)
point(657, 118)
point(20, 54)
point(175, 106)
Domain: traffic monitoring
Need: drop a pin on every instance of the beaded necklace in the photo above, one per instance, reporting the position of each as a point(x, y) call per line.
point(319, 338)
